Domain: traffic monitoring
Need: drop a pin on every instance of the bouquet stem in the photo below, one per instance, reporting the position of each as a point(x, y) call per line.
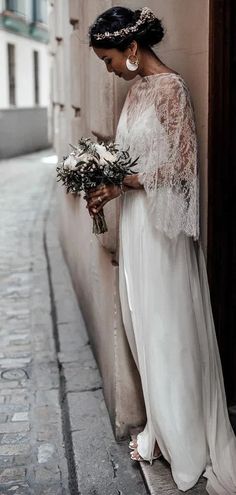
point(99, 223)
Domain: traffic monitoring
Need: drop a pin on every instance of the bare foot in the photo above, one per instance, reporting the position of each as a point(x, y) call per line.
point(135, 456)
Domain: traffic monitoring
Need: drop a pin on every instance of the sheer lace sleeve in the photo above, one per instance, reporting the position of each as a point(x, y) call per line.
point(170, 175)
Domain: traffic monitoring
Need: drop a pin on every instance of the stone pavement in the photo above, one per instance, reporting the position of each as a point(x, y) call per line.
point(32, 457)
point(55, 435)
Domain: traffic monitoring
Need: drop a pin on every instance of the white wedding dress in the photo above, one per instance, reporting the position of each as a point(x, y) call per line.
point(164, 291)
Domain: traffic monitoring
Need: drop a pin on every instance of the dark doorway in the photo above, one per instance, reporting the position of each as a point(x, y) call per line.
point(222, 184)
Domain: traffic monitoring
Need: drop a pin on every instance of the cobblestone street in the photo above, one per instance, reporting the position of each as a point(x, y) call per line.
point(31, 445)
point(55, 434)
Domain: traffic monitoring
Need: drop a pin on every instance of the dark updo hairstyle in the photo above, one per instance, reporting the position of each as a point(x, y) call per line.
point(148, 34)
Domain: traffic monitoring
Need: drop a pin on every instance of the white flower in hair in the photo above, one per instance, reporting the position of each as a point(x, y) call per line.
point(145, 14)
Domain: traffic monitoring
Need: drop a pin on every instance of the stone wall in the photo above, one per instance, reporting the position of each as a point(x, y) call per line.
point(23, 130)
point(87, 101)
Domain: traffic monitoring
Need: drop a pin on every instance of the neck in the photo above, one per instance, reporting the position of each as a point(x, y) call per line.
point(150, 64)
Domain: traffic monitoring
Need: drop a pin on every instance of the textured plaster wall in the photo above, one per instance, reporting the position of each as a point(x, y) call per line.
point(83, 104)
point(87, 101)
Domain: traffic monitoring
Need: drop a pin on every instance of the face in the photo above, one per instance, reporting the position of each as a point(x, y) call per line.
point(115, 61)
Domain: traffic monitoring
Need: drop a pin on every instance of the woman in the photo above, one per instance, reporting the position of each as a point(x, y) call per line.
point(163, 289)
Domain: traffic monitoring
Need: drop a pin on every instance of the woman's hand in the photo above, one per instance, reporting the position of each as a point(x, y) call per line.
point(97, 198)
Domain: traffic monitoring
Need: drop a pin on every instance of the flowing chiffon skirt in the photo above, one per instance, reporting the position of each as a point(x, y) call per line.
point(168, 320)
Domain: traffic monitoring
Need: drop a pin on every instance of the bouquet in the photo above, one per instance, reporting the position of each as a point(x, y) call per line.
point(91, 165)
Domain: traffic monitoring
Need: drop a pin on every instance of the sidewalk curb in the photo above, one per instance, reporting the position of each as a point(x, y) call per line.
point(160, 482)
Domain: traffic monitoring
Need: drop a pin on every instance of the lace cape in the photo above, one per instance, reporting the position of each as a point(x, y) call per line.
point(157, 124)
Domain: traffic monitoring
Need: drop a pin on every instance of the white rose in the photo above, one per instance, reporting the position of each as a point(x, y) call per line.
point(104, 154)
point(83, 158)
point(70, 163)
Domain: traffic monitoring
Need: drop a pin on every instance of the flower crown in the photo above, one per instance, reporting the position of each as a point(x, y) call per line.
point(145, 15)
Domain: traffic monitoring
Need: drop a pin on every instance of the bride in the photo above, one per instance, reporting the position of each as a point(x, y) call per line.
point(163, 283)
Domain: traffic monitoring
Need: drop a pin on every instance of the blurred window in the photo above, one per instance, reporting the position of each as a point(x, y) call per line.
point(36, 77)
point(40, 11)
point(29, 11)
point(11, 5)
point(11, 73)
point(17, 6)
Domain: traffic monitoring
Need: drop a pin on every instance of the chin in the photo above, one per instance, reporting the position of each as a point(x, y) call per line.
point(129, 77)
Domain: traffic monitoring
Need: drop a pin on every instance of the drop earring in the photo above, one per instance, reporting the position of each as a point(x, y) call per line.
point(132, 65)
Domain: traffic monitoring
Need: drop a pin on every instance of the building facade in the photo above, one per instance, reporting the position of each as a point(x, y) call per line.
point(87, 102)
point(24, 76)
